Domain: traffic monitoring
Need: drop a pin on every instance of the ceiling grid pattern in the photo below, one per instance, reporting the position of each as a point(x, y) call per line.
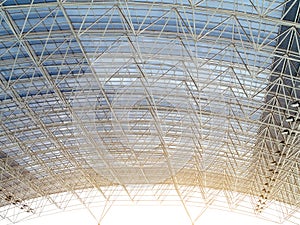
point(104, 102)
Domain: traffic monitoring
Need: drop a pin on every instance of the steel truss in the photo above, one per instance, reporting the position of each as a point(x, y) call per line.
point(189, 102)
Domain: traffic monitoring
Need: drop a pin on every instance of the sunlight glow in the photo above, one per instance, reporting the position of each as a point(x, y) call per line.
point(147, 215)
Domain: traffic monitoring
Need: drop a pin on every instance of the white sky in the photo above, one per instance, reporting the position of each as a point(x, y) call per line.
point(146, 215)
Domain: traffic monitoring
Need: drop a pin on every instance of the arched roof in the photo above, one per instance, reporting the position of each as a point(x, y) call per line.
point(196, 98)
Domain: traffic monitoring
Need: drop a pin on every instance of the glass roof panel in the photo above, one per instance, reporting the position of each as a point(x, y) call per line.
point(100, 94)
